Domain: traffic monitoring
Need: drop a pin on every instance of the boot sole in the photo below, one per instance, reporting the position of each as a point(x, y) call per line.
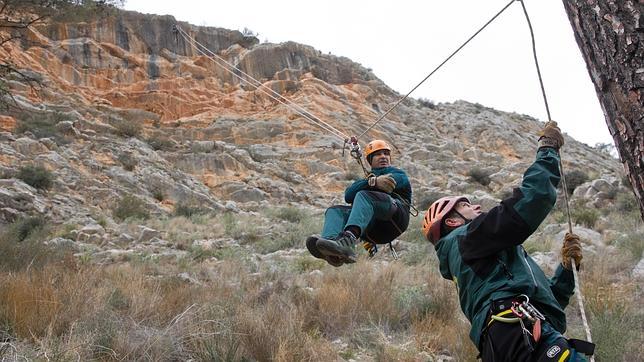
point(328, 248)
point(311, 242)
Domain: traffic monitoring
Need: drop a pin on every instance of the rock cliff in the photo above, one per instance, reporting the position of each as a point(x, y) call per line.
point(133, 108)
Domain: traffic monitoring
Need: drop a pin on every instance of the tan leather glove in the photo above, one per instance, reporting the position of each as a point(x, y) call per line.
point(550, 136)
point(385, 183)
point(571, 249)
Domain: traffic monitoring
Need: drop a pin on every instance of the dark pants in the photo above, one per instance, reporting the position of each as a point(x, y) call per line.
point(505, 342)
point(380, 217)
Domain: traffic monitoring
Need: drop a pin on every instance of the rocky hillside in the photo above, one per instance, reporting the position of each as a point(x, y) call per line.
point(202, 137)
point(128, 110)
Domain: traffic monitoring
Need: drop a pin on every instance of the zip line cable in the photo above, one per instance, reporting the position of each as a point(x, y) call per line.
point(230, 68)
point(536, 61)
point(580, 299)
point(437, 68)
point(259, 86)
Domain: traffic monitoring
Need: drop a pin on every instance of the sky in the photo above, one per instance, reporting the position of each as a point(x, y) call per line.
point(403, 41)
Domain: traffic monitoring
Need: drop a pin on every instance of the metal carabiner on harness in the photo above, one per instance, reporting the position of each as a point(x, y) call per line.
point(393, 251)
point(355, 151)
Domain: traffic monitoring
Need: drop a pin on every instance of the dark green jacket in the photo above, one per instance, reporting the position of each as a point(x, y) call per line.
point(402, 190)
point(486, 260)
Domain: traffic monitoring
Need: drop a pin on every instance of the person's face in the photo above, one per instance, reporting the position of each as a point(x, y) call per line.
point(381, 158)
point(469, 211)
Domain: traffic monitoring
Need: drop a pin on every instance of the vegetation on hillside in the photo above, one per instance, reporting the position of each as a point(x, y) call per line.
point(248, 291)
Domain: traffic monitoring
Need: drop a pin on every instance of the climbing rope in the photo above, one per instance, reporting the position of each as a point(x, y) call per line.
point(230, 68)
point(580, 298)
point(437, 68)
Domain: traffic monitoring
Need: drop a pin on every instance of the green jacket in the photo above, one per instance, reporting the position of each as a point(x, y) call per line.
point(401, 192)
point(486, 260)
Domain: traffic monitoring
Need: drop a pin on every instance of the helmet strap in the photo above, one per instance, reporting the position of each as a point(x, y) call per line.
point(445, 229)
point(462, 217)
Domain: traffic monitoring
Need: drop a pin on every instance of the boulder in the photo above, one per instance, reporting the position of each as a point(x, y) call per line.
point(146, 234)
point(638, 271)
point(29, 147)
point(93, 229)
point(587, 236)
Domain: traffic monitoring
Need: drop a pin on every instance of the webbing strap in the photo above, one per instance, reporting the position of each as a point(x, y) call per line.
point(584, 347)
point(500, 317)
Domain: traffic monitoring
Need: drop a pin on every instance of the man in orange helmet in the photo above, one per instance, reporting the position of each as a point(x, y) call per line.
point(379, 211)
point(516, 312)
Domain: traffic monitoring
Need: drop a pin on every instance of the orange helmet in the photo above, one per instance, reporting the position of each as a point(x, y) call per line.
point(435, 214)
point(373, 146)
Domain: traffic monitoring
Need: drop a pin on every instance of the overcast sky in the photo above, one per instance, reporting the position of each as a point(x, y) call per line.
point(403, 41)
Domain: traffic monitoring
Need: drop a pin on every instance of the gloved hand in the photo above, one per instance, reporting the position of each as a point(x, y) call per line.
point(550, 136)
point(571, 249)
point(385, 183)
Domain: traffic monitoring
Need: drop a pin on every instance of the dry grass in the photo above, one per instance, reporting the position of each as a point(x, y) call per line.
point(123, 312)
point(286, 307)
point(616, 322)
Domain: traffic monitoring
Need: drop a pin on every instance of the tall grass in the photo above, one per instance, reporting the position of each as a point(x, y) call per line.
point(241, 304)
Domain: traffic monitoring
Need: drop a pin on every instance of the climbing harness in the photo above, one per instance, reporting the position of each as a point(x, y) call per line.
point(580, 300)
point(524, 313)
point(370, 247)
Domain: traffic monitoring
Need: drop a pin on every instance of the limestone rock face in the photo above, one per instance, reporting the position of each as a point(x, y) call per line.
point(131, 107)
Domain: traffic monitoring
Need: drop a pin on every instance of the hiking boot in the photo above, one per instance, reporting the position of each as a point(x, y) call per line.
point(310, 244)
point(343, 247)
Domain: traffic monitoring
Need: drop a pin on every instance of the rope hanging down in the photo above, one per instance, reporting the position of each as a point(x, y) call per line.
point(230, 68)
point(437, 68)
point(580, 299)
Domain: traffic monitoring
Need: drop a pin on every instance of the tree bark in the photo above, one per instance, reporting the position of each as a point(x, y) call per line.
point(610, 34)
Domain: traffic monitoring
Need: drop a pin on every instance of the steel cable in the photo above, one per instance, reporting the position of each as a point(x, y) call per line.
point(230, 68)
point(580, 299)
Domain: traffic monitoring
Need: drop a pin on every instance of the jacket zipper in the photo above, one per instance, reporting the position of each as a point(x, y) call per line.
point(525, 259)
point(505, 269)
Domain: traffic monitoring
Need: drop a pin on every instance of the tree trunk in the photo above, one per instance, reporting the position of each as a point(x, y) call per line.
point(610, 34)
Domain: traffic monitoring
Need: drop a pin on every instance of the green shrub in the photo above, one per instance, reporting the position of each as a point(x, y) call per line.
point(413, 301)
point(634, 244)
point(130, 207)
point(612, 334)
point(424, 102)
point(242, 229)
point(126, 128)
point(157, 193)
point(36, 176)
point(159, 143)
point(22, 247)
point(479, 175)
point(294, 235)
point(21, 229)
point(625, 201)
point(188, 211)
point(40, 125)
point(575, 178)
point(290, 214)
point(585, 217)
point(128, 161)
